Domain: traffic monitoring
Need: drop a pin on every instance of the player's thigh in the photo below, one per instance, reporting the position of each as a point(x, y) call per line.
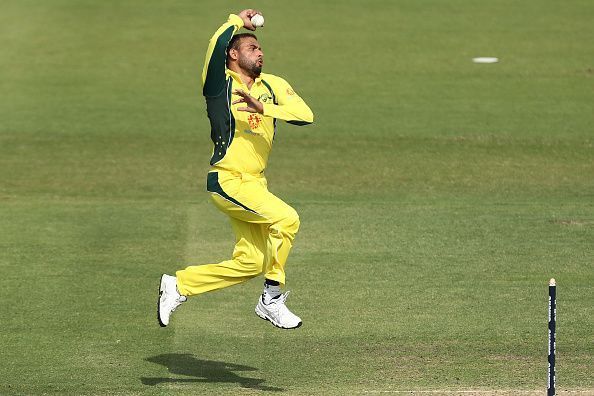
point(249, 200)
point(224, 188)
point(256, 196)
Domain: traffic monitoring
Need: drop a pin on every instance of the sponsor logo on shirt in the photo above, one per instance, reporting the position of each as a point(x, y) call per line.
point(254, 120)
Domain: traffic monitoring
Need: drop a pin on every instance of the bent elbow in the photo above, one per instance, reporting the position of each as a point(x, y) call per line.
point(302, 122)
point(306, 119)
point(310, 116)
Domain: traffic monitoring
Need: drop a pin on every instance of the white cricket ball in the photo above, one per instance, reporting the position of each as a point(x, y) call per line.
point(257, 20)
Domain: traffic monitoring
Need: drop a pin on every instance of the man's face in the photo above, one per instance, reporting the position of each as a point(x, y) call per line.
point(250, 56)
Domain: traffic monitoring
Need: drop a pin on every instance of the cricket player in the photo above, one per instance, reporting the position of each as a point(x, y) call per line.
point(243, 105)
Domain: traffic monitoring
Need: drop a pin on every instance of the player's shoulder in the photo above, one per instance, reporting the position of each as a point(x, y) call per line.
point(274, 80)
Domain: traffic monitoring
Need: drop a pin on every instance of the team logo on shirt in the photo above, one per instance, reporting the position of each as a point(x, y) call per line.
point(254, 120)
point(290, 92)
point(265, 98)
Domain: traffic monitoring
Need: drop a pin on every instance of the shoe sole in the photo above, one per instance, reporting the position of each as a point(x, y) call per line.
point(263, 316)
point(159, 303)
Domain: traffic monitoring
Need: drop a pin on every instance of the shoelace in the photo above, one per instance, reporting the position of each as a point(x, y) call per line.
point(178, 302)
point(280, 299)
point(279, 304)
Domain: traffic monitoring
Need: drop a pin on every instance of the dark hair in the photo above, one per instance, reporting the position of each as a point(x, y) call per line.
point(235, 42)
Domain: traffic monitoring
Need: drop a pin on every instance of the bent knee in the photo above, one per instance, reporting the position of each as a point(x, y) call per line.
point(295, 222)
point(288, 224)
point(251, 265)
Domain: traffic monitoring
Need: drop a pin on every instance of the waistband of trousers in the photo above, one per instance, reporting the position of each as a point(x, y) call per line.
point(242, 175)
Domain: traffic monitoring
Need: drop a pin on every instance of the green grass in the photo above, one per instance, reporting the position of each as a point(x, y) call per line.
point(437, 198)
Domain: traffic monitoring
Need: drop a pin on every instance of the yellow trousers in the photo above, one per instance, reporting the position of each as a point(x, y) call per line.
point(264, 227)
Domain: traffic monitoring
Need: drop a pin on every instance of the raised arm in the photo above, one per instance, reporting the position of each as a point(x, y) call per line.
point(213, 74)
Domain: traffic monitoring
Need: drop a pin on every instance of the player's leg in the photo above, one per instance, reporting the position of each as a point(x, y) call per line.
point(271, 304)
point(279, 225)
point(247, 200)
point(247, 262)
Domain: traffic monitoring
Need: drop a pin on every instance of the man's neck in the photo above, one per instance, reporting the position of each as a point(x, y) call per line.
point(247, 79)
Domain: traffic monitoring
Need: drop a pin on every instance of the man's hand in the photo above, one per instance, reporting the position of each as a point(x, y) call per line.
point(253, 105)
point(247, 15)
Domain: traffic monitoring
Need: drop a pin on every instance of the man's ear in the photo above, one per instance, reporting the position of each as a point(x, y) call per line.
point(233, 54)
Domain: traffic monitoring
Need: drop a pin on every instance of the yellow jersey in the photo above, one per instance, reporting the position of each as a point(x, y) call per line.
point(243, 140)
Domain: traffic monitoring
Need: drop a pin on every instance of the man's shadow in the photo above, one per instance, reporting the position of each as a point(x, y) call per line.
point(198, 370)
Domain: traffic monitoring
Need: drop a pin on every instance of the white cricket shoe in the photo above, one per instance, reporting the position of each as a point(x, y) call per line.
point(277, 313)
point(169, 299)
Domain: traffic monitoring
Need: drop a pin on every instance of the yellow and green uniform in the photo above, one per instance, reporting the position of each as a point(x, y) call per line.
point(264, 225)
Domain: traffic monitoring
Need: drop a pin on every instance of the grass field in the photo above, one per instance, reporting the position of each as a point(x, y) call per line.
point(437, 197)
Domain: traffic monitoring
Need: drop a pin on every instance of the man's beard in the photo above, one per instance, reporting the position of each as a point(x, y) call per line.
point(251, 68)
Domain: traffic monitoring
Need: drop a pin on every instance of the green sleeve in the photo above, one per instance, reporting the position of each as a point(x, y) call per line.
point(213, 74)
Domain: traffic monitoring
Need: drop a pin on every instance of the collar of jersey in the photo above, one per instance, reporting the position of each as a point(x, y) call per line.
point(237, 77)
